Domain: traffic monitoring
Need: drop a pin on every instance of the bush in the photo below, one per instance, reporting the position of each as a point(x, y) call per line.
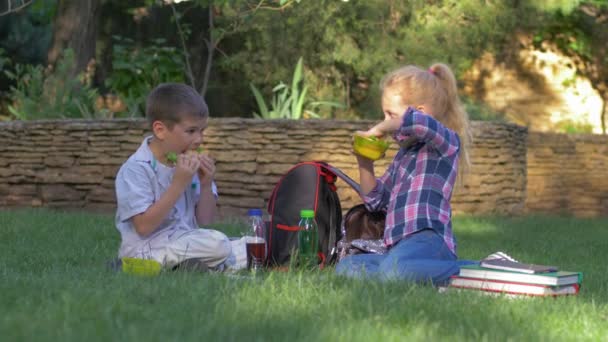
point(45, 94)
point(137, 70)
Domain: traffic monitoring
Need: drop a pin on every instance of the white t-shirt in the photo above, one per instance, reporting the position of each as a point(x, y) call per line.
point(140, 182)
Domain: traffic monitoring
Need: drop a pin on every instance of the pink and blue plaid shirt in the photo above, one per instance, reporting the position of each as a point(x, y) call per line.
point(417, 187)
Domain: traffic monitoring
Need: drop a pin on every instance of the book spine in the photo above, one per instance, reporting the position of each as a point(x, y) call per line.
point(512, 287)
point(514, 292)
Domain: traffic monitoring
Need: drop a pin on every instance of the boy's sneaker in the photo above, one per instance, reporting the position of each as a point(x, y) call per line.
point(238, 257)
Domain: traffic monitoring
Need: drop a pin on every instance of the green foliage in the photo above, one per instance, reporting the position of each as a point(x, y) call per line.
point(563, 6)
point(4, 60)
point(137, 70)
point(290, 103)
point(572, 127)
point(349, 46)
point(581, 33)
point(26, 35)
point(39, 94)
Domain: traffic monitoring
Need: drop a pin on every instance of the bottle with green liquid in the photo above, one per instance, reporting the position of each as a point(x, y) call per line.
point(308, 240)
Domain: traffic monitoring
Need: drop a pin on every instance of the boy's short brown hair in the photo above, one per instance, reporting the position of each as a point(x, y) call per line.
point(171, 102)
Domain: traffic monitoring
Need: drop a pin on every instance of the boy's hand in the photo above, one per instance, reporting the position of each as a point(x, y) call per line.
point(186, 167)
point(206, 169)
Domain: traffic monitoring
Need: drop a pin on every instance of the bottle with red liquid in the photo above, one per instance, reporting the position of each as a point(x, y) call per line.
point(256, 240)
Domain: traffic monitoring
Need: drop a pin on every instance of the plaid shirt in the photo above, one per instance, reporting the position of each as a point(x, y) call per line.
point(417, 187)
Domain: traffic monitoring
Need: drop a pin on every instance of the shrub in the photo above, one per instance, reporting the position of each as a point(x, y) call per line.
point(137, 70)
point(45, 94)
point(290, 102)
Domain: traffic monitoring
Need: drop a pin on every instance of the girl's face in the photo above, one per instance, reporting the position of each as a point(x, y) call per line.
point(393, 105)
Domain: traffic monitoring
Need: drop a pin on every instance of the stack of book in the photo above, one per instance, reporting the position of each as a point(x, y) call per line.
point(518, 279)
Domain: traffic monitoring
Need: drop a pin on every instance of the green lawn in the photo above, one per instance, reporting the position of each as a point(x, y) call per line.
point(54, 286)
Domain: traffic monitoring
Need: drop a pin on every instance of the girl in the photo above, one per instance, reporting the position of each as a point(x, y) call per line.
point(424, 115)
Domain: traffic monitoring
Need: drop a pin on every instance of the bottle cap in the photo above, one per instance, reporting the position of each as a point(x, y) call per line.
point(254, 212)
point(307, 213)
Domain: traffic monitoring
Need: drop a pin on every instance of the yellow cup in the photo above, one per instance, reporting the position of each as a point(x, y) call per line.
point(141, 267)
point(369, 147)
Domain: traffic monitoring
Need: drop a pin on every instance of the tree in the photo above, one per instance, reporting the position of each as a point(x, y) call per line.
point(231, 17)
point(75, 27)
point(581, 33)
point(348, 46)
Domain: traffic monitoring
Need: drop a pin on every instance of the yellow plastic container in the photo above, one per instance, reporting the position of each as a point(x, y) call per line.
point(369, 147)
point(141, 267)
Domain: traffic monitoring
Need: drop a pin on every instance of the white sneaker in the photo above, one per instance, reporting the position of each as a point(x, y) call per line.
point(499, 256)
point(238, 257)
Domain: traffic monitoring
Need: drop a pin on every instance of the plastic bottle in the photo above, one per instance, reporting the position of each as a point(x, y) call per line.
point(308, 240)
point(256, 242)
point(256, 223)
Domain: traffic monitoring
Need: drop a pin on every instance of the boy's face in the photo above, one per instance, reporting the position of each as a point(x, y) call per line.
point(183, 136)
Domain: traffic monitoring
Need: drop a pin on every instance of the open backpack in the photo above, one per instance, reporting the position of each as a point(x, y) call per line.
point(307, 185)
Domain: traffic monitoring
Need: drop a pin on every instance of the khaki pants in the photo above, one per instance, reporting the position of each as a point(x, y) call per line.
point(211, 247)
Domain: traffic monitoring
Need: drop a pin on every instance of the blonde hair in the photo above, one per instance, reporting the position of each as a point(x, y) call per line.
point(437, 89)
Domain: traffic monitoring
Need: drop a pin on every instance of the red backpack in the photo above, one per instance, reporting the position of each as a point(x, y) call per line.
point(307, 185)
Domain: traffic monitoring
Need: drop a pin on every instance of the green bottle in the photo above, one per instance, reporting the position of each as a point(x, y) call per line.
point(308, 240)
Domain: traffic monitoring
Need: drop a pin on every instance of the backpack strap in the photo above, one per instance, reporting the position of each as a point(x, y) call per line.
point(332, 241)
point(343, 176)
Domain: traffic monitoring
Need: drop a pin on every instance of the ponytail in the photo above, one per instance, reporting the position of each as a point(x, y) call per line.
point(454, 115)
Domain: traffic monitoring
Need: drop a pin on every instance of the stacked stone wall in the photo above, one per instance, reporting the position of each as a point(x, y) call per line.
point(567, 174)
point(72, 164)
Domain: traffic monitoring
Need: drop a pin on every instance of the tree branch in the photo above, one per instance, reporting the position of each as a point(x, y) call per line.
point(270, 8)
point(211, 43)
point(184, 48)
point(9, 10)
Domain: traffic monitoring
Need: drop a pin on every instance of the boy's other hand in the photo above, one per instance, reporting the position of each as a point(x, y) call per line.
point(186, 167)
point(206, 169)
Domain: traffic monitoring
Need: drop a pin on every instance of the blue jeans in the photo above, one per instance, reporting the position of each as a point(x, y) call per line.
point(422, 257)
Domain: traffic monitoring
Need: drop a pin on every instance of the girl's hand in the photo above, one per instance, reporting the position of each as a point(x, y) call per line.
point(382, 128)
point(363, 162)
point(375, 131)
point(206, 169)
point(185, 168)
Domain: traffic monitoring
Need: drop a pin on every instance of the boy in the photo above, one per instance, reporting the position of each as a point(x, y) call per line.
point(163, 201)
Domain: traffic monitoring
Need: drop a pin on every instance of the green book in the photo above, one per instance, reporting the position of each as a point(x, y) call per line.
point(549, 278)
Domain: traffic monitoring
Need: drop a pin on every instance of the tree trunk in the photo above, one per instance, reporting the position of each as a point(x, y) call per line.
point(75, 27)
point(604, 112)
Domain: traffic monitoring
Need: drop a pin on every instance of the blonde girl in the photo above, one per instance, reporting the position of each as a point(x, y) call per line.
point(423, 113)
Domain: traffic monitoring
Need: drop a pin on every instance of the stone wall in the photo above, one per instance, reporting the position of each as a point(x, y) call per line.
point(568, 174)
point(72, 164)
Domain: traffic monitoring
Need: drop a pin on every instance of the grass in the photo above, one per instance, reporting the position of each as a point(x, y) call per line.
point(54, 286)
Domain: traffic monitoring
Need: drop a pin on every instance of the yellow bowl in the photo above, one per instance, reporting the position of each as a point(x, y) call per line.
point(140, 267)
point(369, 147)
